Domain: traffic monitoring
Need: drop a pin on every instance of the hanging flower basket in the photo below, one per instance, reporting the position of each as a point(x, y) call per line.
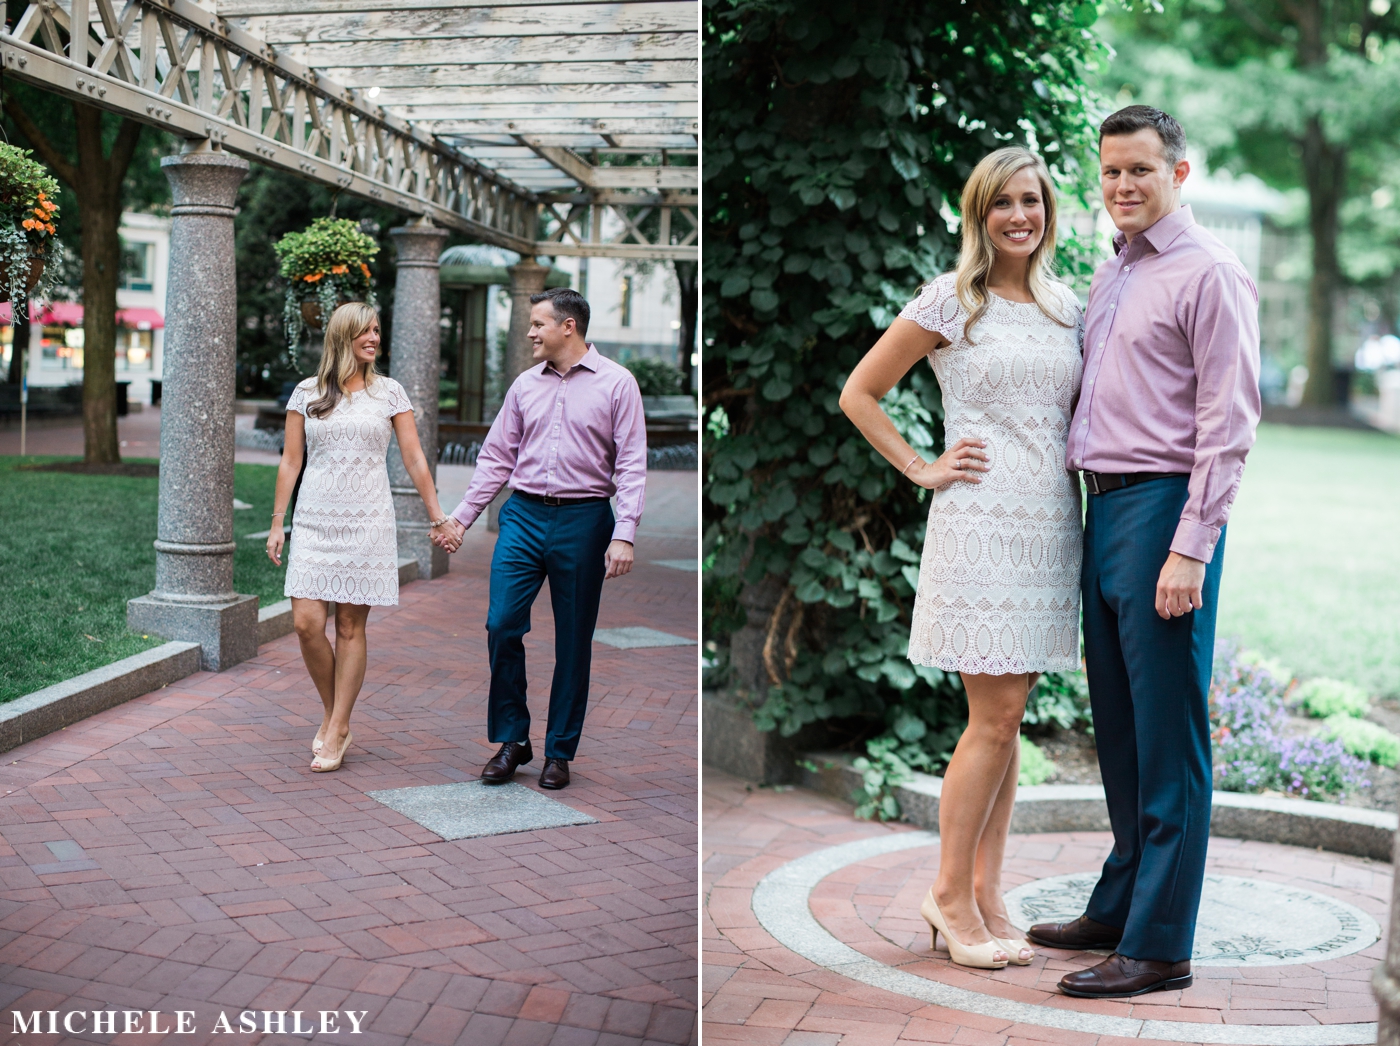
point(325, 266)
point(27, 232)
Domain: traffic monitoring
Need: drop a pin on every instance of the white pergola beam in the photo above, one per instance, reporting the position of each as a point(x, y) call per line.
point(556, 125)
point(458, 22)
point(441, 74)
point(397, 98)
point(496, 50)
point(252, 8)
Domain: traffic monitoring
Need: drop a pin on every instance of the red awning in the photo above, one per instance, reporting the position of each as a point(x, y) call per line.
point(70, 314)
point(140, 319)
point(60, 313)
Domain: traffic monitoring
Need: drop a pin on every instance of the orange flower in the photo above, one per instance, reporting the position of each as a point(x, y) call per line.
point(51, 229)
point(40, 213)
point(364, 269)
point(30, 223)
point(48, 205)
point(339, 269)
point(314, 277)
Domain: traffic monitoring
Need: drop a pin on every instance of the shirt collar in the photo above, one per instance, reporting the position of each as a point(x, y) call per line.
point(1162, 233)
point(590, 361)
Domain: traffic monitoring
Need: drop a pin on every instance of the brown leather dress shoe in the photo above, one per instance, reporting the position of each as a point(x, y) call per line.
point(1119, 977)
point(1078, 935)
point(501, 767)
point(555, 773)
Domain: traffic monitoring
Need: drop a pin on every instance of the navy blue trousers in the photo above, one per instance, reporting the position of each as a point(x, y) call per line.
point(1148, 685)
point(566, 544)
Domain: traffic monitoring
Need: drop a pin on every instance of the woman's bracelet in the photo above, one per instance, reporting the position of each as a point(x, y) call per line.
point(276, 514)
point(439, 522)
point(906, 467)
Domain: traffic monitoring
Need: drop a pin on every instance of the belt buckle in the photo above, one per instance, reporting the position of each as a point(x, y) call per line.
point(551, 500)
point(1091, 480)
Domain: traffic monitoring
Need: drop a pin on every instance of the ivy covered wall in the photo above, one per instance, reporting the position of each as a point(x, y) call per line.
point(836, 140)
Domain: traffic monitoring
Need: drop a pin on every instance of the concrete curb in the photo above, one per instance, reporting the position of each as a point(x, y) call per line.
point(1080, 808)
point(55, 707)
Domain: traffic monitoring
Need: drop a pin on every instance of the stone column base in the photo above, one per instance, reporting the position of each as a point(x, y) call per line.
point(226, 632)
point(414, 543)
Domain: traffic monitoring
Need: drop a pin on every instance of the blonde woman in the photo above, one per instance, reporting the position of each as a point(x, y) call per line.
point(998, 594)
point(344, 543)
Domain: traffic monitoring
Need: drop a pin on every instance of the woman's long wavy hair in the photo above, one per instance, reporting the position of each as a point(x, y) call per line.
point(984, 185)
point(338, 363)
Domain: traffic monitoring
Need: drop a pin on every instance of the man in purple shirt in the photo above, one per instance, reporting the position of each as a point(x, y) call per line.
point(569, 436)
point(1166, 413)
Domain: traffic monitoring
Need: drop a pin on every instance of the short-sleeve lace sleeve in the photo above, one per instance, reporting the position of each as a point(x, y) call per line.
point(397, 397)
point(937, 308)
point(301, 395)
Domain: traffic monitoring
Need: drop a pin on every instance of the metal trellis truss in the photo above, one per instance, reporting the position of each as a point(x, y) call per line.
point(177, 65)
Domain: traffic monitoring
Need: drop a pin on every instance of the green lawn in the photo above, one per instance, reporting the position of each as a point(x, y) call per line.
point(1312, 557)
point(76, 548)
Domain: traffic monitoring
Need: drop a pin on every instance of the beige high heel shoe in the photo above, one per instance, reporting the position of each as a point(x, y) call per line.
point(321, 764)
point(1014, 949)
point(977, 956)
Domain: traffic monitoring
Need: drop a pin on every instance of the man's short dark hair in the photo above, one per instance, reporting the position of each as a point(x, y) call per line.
point(1137, 117)
point(567, 302)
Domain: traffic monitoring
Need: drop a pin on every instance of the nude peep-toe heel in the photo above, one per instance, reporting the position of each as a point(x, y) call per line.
point(322, 765)
point(1014, 948)
point(978, 956)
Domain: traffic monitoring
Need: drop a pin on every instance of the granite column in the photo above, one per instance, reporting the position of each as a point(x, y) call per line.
point(193, 599)
point(526, 278)
point(414, 364)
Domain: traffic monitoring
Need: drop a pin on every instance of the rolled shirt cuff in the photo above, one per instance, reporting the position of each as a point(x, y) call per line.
point(625, 530)
point(1195, 540)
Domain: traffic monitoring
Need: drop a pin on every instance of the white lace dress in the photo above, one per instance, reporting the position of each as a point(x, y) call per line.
point(344, 546)
point(999, 579)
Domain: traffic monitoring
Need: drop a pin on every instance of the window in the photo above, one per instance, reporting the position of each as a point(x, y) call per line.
point(133, 350)
point(138, 266)
point(625, 307)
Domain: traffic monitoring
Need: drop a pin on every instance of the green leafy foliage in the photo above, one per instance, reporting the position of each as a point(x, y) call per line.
point(1363, 739)
point(1324, 698)
point(656, 377)
point(837, 139)
point(28, 212)
point(1036, 766)
point(1060, 700)
point(327, 263)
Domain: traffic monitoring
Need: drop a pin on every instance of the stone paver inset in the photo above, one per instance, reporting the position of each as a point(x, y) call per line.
point(760, 991)
point(472, 809)
point(637, 636)
point(176, 852)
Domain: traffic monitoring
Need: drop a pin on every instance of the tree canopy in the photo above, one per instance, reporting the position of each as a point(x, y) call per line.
point(1313, 89)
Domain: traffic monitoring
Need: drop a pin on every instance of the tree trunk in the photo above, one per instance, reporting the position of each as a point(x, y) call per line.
point(100, 193)
point(101, 264)
point(1324, 173)
point(20, 313)
point(687, 277)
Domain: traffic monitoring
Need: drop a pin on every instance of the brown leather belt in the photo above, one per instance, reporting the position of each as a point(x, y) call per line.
point(1103, 482)
point(545, 499)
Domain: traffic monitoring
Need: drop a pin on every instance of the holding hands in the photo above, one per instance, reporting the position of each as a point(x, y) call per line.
point(962, 461)
point(447, 535)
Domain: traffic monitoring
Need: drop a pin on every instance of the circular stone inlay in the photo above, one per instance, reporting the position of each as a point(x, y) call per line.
point(1242, 922)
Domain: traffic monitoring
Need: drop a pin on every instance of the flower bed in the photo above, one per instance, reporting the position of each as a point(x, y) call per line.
point(1258, 747)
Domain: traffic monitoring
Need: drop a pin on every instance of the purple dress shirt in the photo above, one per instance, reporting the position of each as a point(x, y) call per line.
point(1171, 370)
point(567, 436)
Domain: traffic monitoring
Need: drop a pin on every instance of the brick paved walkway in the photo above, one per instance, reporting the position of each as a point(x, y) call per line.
point(177, 853)
point(758, 992)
